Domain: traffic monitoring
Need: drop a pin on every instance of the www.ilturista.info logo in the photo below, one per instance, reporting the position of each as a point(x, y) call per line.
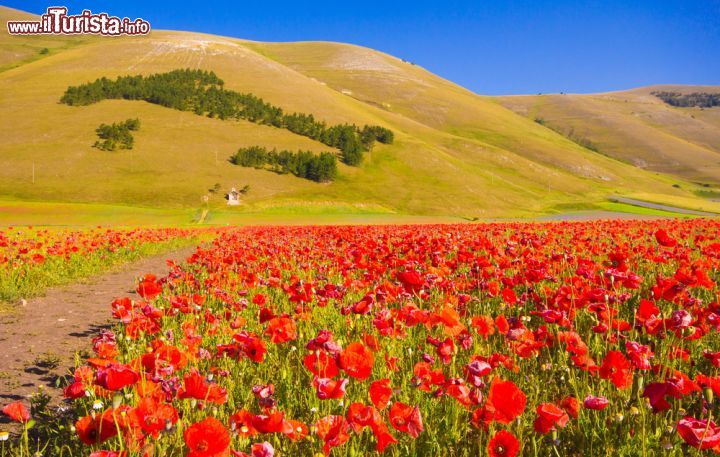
point(57, 22)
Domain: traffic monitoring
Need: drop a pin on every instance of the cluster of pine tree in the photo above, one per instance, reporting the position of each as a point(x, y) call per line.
point(116, 135)
point(696, 99)
point(303, 164)
point(203, 93)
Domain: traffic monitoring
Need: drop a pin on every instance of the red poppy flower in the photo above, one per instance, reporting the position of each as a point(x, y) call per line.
point(483, 325)
point(357, 361)
point(263, 449)
point(700, 434)
point(281, 330)
point(17, 412)
point(149, 287)
point(195, 386)
point(503, 444)
point(95, 430)
point(116, 376)
point(321, 364)
point(207, 438)
point(446, 350)
point(327, 388)
point(334, 431)
point(380, 392)
point(361, 416)
point(617, 369)
point(153, 416)
point(596, 403)
point(571, 405)
point(505, 401)
point(664, 239)
point(406, 419)
point(241, 423)
point(656, 392)
point(411, 280)
point(272, 423)
point(549, 418)
point(299, 430)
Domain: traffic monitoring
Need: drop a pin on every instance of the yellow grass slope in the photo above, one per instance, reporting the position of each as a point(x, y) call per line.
point(636, 127)
point(455, 153)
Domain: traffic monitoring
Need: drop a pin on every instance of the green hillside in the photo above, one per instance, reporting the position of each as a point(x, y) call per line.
point(455, 153)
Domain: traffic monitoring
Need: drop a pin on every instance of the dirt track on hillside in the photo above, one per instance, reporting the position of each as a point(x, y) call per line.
point(39, 341)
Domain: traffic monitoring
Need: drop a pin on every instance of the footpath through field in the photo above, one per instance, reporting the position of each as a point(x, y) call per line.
point(39, 341)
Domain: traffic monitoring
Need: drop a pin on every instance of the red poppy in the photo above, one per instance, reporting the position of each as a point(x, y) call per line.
point(321, 364)
point(357, 361)
point(446, 350)
point(503, 444)
point(207, 438)
point(263, 449)
point(195, 386)
point(327, 388)
point(550, 417)
point(411, 280)
point(361, 416)
point(281, 329)
point(149, 288)
point(272, 423)
point(700, 434)
point(596, 403)
point(656, 392)
point(505, 401)
point(154, 417)
point(299, 430)
point(483, 325)
point(101, 427)
point(406, 419)
point(241, 423)
point(571, 405)
point(664, 239)
point(380, 392)
point(116, 376)
point(17, 412)
point(617, 369)
point(334, 431)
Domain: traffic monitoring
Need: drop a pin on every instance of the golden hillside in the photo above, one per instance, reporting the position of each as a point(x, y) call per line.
point(456, 153)
point(636, 127)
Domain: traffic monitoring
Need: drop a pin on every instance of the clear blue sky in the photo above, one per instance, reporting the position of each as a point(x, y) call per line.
point(491, 47)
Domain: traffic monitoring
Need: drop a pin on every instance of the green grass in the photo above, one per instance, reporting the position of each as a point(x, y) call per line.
point(28, 281)
point(19, 213)
point(632, 209)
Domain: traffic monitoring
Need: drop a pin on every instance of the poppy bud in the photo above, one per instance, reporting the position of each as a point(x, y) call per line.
point(708, 395)
point(117, 401)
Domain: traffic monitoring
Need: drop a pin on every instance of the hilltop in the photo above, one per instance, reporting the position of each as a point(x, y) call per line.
point(455, 153)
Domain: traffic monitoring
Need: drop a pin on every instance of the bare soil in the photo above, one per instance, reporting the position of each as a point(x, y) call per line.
point(39, 341)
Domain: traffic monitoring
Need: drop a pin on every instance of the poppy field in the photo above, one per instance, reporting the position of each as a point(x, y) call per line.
point(32, 259)
point(502, 339)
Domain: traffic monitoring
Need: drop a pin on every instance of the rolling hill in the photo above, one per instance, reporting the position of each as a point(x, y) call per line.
point(636, 127)
point(455, 153)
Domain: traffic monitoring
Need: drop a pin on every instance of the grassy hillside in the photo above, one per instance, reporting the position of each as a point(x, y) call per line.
point(455, 153)
point(636, 127)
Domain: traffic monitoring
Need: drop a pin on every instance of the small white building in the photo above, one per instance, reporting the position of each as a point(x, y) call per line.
point(233, 197)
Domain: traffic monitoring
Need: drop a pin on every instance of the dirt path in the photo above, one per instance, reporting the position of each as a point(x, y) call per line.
point(38, 343)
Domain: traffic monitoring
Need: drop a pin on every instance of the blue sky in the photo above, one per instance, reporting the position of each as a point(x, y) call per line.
point(491, 47)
